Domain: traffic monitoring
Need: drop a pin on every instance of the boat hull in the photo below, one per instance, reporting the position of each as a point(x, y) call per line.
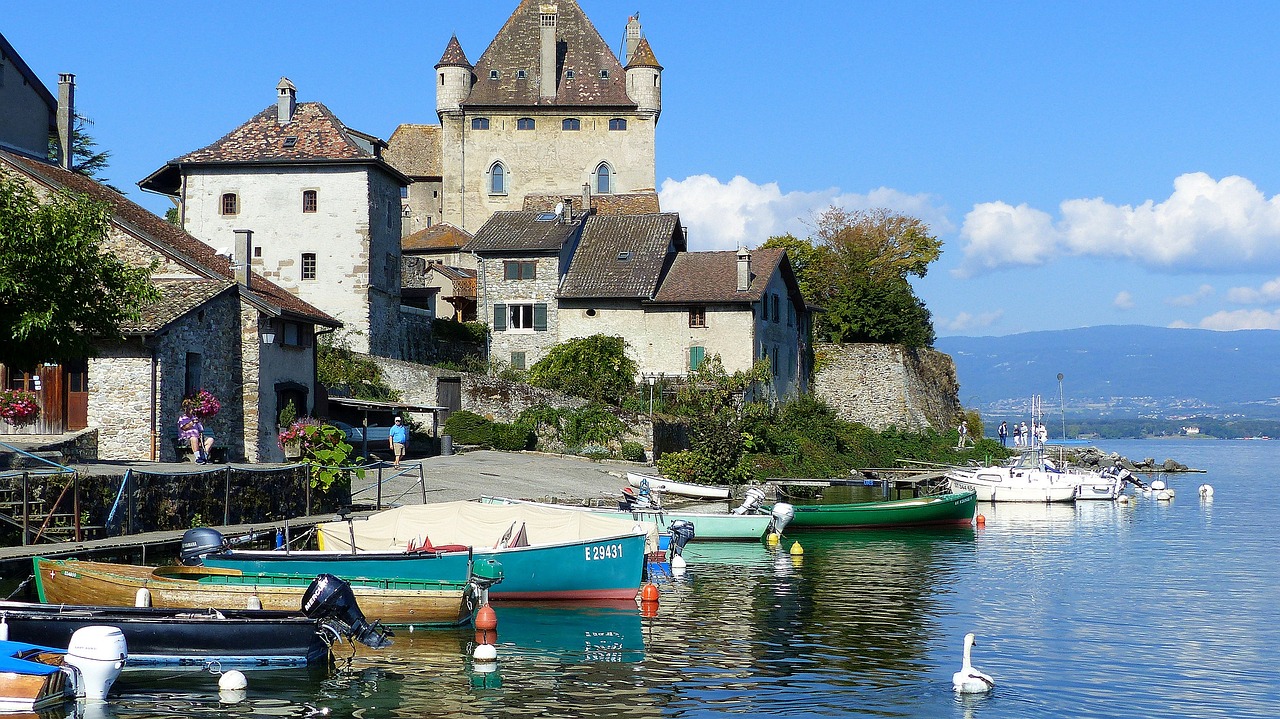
point(950, 509)
point(244, 638)
point(424, 603)
point(708, 527)
point(998, 488)
point(683, 489)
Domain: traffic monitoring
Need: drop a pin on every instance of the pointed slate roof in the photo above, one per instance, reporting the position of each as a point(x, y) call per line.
point(622, 256)
point(453, 55)
point(643, 56)
point(579, 48)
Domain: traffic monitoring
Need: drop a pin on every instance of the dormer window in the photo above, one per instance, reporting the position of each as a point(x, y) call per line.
point(604, 74)
point(624, 256)
point(569, 74)
point(524, 123)
point(479, 123)
point(493, 74)
point(521, 74)
point(571, 123)
point(290, 141)
point(617, 123)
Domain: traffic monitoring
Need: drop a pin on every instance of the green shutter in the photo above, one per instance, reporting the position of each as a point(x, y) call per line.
point(499, 318)
point(540, 317)
point(696, 355)
point(510, 270)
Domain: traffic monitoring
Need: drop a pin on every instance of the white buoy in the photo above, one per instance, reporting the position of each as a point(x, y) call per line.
point(1158, 484)
point(1206, 490)
point(4, 630)
point(1123, 499)
point(678, 563)
point(233, 680)
point(255, 602)
point(969, 680)
point(232, 696)
point(142, 598)
point(484, 653)
point(1164, 495)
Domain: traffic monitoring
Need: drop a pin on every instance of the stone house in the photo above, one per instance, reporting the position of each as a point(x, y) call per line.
point(546, 278)
point(324, 208)
point(437, 275)
point(217, 326)
point(547, 109)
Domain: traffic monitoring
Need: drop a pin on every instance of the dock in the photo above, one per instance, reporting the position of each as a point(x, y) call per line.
point(894, 481)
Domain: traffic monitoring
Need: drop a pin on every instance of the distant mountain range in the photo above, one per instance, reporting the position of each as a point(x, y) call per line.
point(1122, 371)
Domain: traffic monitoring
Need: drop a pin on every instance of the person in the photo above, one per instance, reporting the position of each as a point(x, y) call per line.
point(964, 434)
point(398, 439)
point(1004, 434)
point(1017, 436)
point(1043, 433)
point(191, 429)
point(1027, 439)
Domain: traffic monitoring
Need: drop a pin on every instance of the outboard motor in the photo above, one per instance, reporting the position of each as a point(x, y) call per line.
point(751, 501)
point(782, 515)
point(98, 654)
point(200, 542)
point(681, 534)
point(633, 500)
point(331, 600)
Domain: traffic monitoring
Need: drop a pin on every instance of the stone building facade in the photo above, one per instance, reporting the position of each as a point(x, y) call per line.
point(325, 210)
point(889, 385)
point(30, 110)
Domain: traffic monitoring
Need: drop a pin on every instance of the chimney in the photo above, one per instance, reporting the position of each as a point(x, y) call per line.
point(241, 264)
point(633, 37)
point(66, 116)
point(547, 55)
point(586, 197)
point(286, 101)
point(744, 269)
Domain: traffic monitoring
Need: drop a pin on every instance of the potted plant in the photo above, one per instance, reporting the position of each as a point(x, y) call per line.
point(19, 407)
point(206, 405)
point(291, 437)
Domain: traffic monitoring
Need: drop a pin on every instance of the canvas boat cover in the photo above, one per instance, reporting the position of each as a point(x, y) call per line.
point(476, 525)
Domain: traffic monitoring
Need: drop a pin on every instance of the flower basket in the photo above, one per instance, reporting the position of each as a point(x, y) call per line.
point(291, 437)
point(206, 405)
point(19, 407)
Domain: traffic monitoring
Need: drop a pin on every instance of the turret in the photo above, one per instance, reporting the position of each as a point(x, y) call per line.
point(453, 78)
point(644, 78)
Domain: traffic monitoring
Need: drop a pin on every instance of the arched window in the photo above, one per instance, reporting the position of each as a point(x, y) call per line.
point(497, 179)
point(618, 123)
point(479, 123)
point(603, 183)
point(524, 123)
point(230, 204)
point(571, 123)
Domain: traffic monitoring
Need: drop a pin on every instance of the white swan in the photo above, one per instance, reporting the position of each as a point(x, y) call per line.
point(969, 680)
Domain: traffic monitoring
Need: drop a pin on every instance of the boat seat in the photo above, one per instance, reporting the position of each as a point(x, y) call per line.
point(423, 544)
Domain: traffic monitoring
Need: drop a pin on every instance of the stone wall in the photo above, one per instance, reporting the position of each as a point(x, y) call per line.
point(888, 385)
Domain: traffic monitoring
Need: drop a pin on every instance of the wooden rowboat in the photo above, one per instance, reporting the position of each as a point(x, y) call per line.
point(33, 678)
point(954, 509)
point(393, 601)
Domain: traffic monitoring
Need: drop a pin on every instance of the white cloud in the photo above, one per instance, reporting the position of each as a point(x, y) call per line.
point(1269, 292)
point(1240, 320)
point(1192, 298)
point(966, 322)
point(1204, 224)
point(1123, 300)
point(725, 215)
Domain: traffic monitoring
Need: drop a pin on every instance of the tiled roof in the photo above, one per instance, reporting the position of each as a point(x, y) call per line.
point(622, 256)
point(634, 203)
point(464, 280)
point(453, 55)
point(520, 231)
point(177, 297)
point(713, 277)
point(516, 47)
point(438, 237)
point(320, 136)
point(643, 56)
point(166, 238)
point(415, 150)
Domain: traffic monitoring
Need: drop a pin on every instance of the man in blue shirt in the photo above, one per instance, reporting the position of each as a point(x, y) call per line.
point(398, 438)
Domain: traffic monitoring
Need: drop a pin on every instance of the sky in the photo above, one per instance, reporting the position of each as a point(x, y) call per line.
point(1084, 163)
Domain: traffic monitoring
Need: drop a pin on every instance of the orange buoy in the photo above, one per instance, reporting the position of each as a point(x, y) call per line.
point(648, 610)
point(981, 520)
point(486, 622)
point(649, 593)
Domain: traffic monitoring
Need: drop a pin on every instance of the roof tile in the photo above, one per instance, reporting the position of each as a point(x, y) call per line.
point(440, 236)
point(713, 277)
point(415, 151)
point(319, 135)
point(521, 231)
point(622, 256)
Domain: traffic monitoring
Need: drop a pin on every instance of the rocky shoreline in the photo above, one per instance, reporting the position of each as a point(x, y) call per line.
point(1095, 459)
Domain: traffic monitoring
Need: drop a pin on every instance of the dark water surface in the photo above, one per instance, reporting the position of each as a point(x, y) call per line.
point(1154, 609)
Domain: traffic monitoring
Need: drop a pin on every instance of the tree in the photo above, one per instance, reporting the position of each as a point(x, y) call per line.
point(61, 293)
point(84, 160)
point(595, 368)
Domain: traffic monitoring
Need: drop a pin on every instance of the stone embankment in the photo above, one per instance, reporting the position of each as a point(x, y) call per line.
point(1094, 458)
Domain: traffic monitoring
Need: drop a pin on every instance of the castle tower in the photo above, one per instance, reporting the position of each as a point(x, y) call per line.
point(453, 83)
point(644, 78)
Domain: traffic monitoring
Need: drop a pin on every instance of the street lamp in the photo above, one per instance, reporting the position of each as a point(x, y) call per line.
point(652, 379)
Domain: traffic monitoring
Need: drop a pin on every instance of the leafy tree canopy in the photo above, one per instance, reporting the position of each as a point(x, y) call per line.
point(595, 368)
point(61, 293)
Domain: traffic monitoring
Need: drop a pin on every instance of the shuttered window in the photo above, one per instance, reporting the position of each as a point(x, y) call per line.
point(499, 318)
point(540, 317)
point(696, 356)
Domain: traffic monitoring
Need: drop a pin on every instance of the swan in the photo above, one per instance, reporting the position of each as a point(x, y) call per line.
point(970, 680)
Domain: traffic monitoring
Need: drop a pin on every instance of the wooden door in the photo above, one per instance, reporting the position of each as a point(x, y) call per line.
point(449, 396)
point(46, 382)
point(77, 384)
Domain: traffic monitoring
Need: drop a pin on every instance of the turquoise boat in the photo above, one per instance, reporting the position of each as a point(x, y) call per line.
point(946, 509)
point(707, 526)
point(545, 554)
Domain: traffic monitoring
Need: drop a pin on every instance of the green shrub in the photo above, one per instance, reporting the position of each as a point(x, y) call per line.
point(633, 451)
point(683, 466)
point(592, 424)
point(469, 428)
point(596, 368)
point(511, 437)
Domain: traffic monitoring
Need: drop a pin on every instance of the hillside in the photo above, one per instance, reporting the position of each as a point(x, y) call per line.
point(1122, 371)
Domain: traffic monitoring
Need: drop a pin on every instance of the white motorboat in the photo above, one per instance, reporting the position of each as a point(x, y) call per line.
point(683, 489)
point(1031, 477)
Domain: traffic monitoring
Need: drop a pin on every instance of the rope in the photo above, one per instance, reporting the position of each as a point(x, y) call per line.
point(24, 583)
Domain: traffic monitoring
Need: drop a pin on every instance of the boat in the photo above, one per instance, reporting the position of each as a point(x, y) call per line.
point(199, 638)
point(1033, 477)
point(545, 553)
point(708, 526)
point(683, 489)
point(405, 601)
point(947, 509)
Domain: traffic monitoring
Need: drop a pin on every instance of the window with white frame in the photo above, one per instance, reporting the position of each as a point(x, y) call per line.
point(497, 179)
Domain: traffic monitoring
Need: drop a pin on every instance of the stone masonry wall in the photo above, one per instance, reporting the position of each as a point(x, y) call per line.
point(888, 385)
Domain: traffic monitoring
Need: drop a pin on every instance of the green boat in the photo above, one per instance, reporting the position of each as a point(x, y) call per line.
point(946, 509)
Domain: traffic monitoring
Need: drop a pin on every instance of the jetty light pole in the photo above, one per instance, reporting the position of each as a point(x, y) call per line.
point(1062, 406)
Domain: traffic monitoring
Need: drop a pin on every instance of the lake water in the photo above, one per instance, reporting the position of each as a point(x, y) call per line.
point(1154, 609)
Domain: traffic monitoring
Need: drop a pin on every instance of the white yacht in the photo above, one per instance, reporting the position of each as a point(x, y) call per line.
point(1033, 477)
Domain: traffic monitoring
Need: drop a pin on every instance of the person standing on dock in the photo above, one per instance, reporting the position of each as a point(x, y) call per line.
point(1004, 434)
point(964, 434)
point(398, 439)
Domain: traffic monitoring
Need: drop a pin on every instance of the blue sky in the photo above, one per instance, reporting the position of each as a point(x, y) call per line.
point(1085, 163)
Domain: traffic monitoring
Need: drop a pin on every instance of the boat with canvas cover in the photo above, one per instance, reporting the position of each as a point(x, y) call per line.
point(709, 526)
point(546, 553)
point(948, 509)
point(423, 602)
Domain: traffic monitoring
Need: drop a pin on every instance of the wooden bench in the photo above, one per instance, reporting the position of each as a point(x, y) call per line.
point(217, 453)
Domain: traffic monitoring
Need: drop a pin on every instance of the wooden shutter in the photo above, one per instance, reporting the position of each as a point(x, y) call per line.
point(696, 355)
point(500, 318)
point(540, 317)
